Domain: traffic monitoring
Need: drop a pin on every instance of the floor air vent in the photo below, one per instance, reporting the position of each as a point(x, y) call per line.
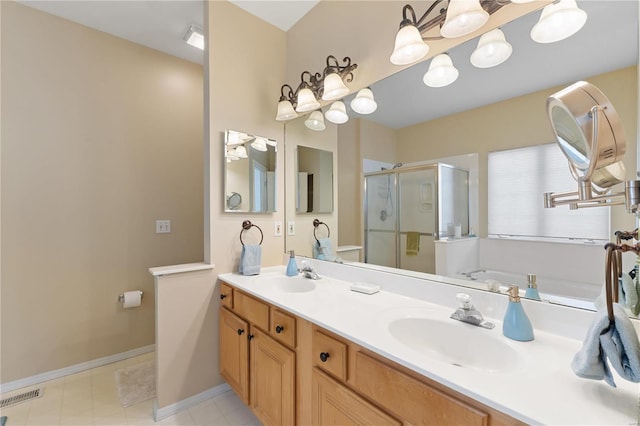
point(16, 399)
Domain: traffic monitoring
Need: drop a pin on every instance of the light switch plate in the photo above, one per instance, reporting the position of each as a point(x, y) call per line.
point(291, 228)
point(163, 226)
point(277, 228)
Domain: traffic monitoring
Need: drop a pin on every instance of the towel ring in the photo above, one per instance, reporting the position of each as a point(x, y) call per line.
point(317, 223)
point(246, 225)
point(614, 269)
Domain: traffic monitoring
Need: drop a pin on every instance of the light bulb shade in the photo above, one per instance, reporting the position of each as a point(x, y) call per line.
point(231, 155)
point(337, 113)
point(259, 144)
point(521, 1)
point(409, 46)
point(315, 121)
point(441, 72)
point(285, 111)
point(334, 87)
point(364, 103)
point(493, 49)
point(558, 21)
point(271, 142)
point(307, 101)
point(463, 17)
point(240, 151)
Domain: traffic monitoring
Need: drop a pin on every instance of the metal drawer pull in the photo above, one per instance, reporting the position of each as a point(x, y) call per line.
point(324, 356)
point(279, 329)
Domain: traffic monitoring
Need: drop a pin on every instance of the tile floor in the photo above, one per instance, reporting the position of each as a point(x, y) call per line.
point(90, 398)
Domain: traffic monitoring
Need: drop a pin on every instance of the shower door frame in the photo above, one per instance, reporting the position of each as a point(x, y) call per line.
point(396, 173)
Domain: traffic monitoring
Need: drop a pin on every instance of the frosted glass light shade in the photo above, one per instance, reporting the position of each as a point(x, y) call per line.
point(337, 113)
point(493, 49)
point(285, 111)
point(364, 103)
point(307, 101)
point(441, 72)
point(334, 87)
point(241, 152)
point(409, 46)
point(259, 144)
point(463, 17)
point(231, 155)
point(315, 121)
point(558, 21)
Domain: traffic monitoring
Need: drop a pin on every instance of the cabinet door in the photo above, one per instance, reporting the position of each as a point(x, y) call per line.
point(234, 353)
point(273, 394)
point(335, 405)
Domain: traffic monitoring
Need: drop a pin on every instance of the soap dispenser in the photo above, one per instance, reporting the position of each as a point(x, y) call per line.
point(516, 324)
point(532, 288)
point(292, 266)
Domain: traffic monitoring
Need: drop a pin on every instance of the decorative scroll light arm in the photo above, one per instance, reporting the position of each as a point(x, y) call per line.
point(344, 71)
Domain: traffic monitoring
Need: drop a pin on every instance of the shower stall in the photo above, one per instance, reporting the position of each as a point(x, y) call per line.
point(407, 209)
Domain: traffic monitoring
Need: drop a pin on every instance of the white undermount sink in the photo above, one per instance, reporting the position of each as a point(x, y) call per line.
point(456, 343)
point(297, 284)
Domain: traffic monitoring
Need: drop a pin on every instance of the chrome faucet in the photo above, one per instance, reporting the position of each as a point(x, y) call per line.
point(308, 272)
point(466, 312)
point(472, 274)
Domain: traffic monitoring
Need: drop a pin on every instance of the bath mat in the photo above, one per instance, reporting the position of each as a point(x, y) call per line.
point(136, 383)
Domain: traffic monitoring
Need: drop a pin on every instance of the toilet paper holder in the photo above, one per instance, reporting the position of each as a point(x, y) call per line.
point(121, 296)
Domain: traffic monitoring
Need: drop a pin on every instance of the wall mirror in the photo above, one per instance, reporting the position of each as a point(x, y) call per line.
point(461, 123)
point(314, 190)
point(249, 173)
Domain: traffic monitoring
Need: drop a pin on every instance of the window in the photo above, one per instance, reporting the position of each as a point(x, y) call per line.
point(518, 179)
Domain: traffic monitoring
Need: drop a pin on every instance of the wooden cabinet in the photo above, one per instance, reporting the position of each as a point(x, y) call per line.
point(258, 368)
point(290, 371)
point(336, 405)
point(272, 380)
point(234, 352)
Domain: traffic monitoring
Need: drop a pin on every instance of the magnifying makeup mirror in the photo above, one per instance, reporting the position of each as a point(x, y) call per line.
point(590, 134)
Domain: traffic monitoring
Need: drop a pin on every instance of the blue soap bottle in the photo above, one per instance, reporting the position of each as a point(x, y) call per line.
point(516, 324)
point(292, 266)
point(532, 288)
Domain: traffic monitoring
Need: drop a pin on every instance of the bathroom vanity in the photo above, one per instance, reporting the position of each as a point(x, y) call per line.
point(301, 351)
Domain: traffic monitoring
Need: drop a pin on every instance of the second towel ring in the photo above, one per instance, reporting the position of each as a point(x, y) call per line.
point(317, 223)
point(246, 225)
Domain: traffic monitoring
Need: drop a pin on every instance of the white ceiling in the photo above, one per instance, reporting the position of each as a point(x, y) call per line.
point(608, 41)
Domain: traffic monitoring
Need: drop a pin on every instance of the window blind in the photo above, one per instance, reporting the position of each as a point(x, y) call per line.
point(517, 181)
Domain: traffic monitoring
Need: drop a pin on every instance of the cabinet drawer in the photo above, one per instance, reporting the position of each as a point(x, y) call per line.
point(410, 399)
point(330, 354)
point(252, 310)
point(283, 327)
point(226, 295)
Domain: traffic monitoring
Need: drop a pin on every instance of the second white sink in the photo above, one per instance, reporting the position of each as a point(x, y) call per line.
point(456, 343)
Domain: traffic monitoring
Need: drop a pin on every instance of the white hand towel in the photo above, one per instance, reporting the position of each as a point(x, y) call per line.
point(250, 260)
point(322, 249)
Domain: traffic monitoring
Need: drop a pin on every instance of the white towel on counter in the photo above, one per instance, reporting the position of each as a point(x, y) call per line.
point(250, 260)
point(615, 343)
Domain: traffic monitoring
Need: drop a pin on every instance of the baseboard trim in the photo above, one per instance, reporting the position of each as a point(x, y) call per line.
point(77, 368)
point(172, 409)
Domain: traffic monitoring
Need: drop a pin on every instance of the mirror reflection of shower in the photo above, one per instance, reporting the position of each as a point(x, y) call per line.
point(387, 210)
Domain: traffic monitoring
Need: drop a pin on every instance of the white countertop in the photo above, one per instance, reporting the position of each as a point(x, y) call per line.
point(540, 389)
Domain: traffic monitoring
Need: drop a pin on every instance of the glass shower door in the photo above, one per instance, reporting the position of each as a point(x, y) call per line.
point(380, 219)
point(418, 215)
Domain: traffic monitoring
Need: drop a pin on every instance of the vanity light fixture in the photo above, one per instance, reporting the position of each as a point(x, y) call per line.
point(315, 121)
point(493, 49)
point(195, 37)
point(337, 113)
point(328, 85)
point(364, 103)
point(441, 72)
point(558, 21)
point(240, 151)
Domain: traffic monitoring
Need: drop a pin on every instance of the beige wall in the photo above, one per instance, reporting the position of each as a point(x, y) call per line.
point(101, 137)
point(518, 122)
point(241, 91)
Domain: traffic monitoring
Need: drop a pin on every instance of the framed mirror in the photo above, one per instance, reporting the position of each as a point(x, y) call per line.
point(249, 173)
point(314, 185)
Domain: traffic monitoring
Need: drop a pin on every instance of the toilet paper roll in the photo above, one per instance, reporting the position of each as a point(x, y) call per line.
point(132, 299)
